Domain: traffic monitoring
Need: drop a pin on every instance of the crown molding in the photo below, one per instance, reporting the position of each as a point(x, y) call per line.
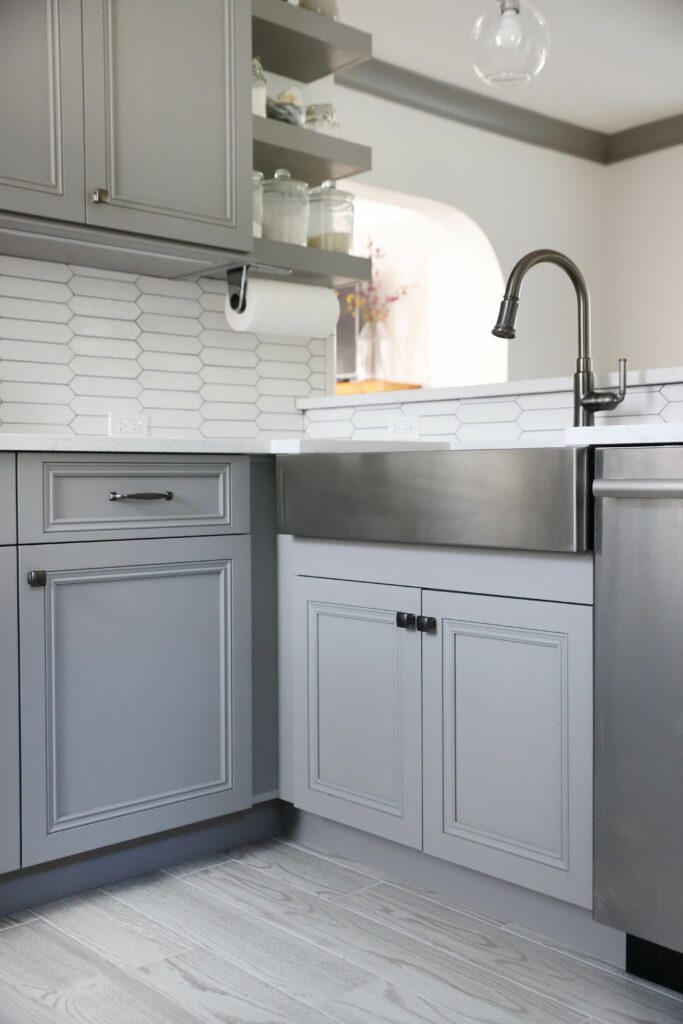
point(411, 89)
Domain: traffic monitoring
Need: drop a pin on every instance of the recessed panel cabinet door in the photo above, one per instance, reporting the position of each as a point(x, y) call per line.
point(508, 737)
point(41, 108)
point(135, 690)
point(168, 118)
point(357, 707)
point(9, 713)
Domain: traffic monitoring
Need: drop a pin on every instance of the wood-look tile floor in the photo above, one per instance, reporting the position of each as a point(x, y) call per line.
point(275, 934)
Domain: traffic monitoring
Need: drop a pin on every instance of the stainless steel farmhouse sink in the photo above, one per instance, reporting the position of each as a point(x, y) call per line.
point(534, 499)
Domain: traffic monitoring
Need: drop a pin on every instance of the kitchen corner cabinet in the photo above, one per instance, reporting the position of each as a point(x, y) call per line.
point(168, 136)
point(357, 707)
point(41, 108)
point(135, 689)
point(507, 763)
point(9, 712)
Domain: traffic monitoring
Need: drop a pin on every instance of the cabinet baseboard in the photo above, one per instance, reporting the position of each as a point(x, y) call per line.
point(560, 922)
point(33, 886)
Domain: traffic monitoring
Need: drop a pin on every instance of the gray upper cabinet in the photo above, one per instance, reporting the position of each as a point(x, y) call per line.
point(41, 108)
point(168, 118)
point(9, 713)
point(507, 767)
point(357, 706)
point(135, 690)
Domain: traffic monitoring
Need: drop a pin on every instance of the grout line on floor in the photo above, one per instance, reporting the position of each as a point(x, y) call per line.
point(349, 865)
point(403, 886)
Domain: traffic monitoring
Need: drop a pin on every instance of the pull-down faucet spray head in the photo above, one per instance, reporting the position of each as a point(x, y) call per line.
point(505, 324)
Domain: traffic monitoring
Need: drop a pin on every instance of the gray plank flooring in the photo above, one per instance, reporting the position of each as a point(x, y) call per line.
point(275, 934)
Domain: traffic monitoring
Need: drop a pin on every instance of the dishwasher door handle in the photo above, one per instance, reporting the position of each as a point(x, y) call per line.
point(638, 488)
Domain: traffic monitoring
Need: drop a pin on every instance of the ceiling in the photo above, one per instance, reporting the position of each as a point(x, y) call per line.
point(613, 64)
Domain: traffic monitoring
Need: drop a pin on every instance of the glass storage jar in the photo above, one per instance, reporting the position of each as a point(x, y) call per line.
point(259, 88)
point(257, 198)
point(285, 209)
point(328, 7)
point(322, 118)
point(331, 218)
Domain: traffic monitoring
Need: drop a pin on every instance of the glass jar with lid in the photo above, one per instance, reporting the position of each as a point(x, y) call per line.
point(257, 200)
point(322, 118)
point(259, 88)
point(331, 218)
point(285, 209)
point(328, 7)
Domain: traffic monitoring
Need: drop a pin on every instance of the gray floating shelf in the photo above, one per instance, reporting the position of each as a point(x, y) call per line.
point(310, 156)
point(302, 265)
point(302, 44)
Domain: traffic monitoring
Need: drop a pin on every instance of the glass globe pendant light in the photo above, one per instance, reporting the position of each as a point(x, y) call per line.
point(510, 43)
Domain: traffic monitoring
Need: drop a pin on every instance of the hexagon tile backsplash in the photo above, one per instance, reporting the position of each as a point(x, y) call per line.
point(77, 344)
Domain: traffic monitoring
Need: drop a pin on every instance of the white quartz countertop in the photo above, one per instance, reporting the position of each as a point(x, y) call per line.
point(505, 389)
point(201, 446)
point(625, 433)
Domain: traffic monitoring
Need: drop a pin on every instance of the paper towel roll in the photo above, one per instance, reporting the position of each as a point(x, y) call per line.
point(293, 310)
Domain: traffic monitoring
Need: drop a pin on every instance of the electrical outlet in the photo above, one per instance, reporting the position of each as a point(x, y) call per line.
point(403, 427)
point(128, 426)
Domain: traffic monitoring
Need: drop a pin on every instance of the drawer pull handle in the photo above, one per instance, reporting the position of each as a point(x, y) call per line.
point(142, 496)
point(426, 624)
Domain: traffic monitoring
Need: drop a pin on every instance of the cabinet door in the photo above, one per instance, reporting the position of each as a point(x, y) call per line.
point(41, 108)
point(135, 690)
point(357, 707)
point(168, 118)
point(9, 713)
point(508, 740)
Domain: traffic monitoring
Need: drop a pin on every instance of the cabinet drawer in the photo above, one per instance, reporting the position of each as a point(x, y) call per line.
point(81, 497)
point(8, 507)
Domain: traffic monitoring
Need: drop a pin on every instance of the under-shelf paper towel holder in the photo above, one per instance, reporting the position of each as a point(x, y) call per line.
point(237, 288)
point(237, 282)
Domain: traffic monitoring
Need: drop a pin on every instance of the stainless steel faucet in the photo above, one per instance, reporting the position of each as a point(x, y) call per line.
point(587, 398)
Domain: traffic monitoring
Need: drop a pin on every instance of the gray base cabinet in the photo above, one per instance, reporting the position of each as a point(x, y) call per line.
point(9, 714)
point(508, 728)
point(135, 690)
point(41, 116)
point(357, 707)
point(470, 737)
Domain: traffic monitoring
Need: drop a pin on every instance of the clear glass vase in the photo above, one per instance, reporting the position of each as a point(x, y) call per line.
point(373, 352)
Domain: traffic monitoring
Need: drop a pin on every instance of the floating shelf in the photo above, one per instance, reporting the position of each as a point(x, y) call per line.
point(302, 44)
point(310, 156)
point(302, 265)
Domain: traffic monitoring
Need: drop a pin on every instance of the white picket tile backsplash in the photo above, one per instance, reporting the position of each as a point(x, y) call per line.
point(535, 418)
point(78, 343)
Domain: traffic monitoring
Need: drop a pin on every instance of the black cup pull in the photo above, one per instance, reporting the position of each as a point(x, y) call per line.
point(405, 620)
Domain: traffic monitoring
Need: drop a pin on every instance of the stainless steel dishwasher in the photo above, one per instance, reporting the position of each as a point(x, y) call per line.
point(638, 871)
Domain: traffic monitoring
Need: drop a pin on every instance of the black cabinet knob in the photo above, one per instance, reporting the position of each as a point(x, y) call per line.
point(405, 620)
point(426, 624)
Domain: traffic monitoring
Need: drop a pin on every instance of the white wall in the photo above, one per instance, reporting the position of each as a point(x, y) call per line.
point(522, 196)
point(645, 259)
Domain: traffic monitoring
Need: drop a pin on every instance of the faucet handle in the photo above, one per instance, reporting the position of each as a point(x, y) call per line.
point(622, 379)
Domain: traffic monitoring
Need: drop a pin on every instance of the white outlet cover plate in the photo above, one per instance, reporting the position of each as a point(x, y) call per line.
point(402, 427)
point(128, 426)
